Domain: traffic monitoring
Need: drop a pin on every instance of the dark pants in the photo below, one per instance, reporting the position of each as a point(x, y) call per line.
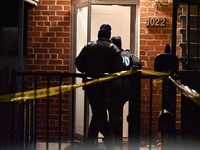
point(108, 97)
point(121, 92)
point(115, 119)
point(97, 95)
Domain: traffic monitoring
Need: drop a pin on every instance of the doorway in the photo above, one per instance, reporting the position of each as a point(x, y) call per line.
point(87, 18)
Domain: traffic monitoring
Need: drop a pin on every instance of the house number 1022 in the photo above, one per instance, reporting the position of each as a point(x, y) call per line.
point(156, 22)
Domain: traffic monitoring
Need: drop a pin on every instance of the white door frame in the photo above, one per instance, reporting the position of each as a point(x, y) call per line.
point(134, 37)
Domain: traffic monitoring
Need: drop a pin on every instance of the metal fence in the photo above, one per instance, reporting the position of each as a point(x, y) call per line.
point(52, 119)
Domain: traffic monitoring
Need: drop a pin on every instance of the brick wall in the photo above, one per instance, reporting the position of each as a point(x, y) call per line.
point(49, 51)
point(49, 36)
point(153, 40)
point(49, 46)
point(152, 43)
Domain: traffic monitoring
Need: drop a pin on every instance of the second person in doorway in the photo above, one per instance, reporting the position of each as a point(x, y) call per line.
point(122, 90)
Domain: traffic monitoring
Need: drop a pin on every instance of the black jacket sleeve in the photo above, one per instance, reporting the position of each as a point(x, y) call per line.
point(136, 62)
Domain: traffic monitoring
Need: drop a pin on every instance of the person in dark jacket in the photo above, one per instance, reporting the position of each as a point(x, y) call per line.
point(99, 57)
point(122, 90)
point(130, 61)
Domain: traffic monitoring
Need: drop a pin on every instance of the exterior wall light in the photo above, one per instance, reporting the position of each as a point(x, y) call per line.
point(158, 3)
point(32, 2)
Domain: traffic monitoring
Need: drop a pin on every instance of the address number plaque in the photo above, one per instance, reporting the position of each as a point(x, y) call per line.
point(156, 22)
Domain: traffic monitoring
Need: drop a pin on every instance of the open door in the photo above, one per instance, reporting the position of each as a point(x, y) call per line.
point(79, 39)
point(87, 18)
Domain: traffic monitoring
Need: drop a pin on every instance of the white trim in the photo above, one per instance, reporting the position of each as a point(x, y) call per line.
point(137, 30)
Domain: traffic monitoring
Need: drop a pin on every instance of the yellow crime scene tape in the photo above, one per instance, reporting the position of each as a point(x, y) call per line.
point(42, 93)
point(188, 92)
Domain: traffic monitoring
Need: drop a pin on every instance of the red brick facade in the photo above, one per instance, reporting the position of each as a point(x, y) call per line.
point(49, 44)
point(49, 32)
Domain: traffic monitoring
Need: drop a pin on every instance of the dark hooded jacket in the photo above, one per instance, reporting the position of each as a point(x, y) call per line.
point(101, 56)
point(123, 87)
point(130, 61)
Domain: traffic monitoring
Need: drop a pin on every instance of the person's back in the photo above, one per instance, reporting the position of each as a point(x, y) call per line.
point(130, 62)
point(99, 57)
point(122, 89)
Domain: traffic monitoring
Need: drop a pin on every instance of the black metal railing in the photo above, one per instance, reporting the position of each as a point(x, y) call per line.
point(31, 114)
point(35, 119)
